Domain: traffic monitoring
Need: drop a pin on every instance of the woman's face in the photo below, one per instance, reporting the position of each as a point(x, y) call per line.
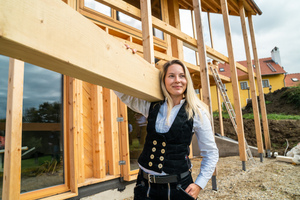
point(175, 81)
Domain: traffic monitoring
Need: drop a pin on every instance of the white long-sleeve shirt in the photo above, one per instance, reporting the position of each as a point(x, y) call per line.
point(202, 129)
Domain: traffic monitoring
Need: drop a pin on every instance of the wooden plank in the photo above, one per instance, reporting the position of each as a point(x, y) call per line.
point(251, 80)
point(37, 126)
point(72, 136)
point(27, 35)
point(13, 143)
point(146, 18)
point(188, 41)
point(210, 30)
point(111, 132)
point(205, 85)
point(98, 132)
point(285, 159)
point(174, 20)
point(166, 19)
point(235, 84)
point(259, 86)
point(220, 112)
point(124, 140)
point(66, 195)
point(79, 124)
point(38, 194)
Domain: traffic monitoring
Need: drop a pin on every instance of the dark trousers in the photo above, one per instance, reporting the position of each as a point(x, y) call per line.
point(171, 191)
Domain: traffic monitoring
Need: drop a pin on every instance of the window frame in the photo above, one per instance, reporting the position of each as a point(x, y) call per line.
point(265, 81)
point(242, 85)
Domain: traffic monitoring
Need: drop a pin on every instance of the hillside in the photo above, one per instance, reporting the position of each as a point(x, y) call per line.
point(284, 101)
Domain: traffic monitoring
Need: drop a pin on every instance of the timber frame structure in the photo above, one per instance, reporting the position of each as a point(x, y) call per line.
point(87, 47)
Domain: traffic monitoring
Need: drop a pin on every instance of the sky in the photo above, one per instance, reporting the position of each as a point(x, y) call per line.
point(279, 25)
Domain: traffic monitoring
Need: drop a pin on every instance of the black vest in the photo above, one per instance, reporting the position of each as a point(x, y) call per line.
point(169, 151)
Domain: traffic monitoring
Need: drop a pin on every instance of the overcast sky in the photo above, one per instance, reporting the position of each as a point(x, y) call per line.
point(277, 26)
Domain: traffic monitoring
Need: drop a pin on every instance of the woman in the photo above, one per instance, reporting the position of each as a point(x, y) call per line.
point(164, 163)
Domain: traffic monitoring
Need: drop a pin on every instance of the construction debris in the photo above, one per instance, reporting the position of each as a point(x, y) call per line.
point(293, 156)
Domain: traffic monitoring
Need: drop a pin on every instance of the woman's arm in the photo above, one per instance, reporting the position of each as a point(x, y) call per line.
point(208, 149)
point(136, 104)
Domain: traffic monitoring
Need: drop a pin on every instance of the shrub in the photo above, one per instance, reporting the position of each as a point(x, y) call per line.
point(292, 96)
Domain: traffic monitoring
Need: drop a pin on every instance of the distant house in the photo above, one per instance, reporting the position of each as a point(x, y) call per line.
point(272, 78)
point(292, 79)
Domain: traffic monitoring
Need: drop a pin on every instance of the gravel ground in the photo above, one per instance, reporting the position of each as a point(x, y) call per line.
point(270, 179)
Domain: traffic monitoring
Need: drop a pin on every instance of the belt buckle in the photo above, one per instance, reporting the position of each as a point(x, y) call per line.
point(151, 178)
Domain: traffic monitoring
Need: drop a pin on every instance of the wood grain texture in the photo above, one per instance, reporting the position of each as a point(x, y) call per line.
point(54, 36)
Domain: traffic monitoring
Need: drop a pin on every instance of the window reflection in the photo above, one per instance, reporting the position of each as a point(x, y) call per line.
point(137, 132)
point(99, 7)
point(4, 63)
point(189, 55)
point(42, 161)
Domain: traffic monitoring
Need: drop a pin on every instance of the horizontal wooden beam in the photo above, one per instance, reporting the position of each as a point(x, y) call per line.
point(54, 36)
point(188, 41)
point(37, 126)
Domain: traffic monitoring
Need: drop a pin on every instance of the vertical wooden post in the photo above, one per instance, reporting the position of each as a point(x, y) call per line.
point(13, 129)
point(98, 132)
point(220, 112)
point(205, 85)
point(72, 131)
point(79, 124)
point(111, 132)
point(146, 17)
point(177, 45)
point(235, 85)
point(251, 79)
point(260, 87)
point(124, 140)
point(210, 31)
point(167, 20)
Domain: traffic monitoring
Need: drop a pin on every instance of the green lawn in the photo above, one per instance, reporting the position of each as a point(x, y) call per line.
point(270, 116)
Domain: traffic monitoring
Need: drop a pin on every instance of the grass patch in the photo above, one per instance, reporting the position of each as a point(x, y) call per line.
point(270, 116)
point(268, 102)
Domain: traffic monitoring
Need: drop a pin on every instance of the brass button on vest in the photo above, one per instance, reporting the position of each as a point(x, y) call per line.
point(164, 144)
point(163, 151)
point(154, 142)
point(151, 156)
point(153, 149)
point(160, 166)
point(150, 164)
point(161, 158)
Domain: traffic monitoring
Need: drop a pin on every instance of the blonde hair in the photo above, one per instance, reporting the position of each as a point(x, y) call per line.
point(193, 103)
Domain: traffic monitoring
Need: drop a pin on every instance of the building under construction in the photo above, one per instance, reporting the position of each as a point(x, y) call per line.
point(64, 133)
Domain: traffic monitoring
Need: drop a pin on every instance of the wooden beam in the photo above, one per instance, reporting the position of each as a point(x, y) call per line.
point(220, 112)
point(146, 18)
point(111, 132)
point(188, 41)
point(13, 143)
point(71, 133)
point(210, 30)
point(260, 87)
point(251, 80)
point(174, 20)
point(202, 56)
point(124, 140)
point(235, 84)
point(95, 57)
point(98, 132)
point(166, 19)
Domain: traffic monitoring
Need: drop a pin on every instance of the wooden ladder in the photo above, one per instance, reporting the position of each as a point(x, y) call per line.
point(230, 109)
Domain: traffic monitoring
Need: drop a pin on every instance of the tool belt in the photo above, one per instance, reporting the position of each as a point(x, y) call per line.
point(163, 179)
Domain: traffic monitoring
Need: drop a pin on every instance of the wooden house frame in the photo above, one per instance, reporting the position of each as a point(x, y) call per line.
point(85, 49)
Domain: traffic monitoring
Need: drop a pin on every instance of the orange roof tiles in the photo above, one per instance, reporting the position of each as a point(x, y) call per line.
point(266, 66)
point(289, 82)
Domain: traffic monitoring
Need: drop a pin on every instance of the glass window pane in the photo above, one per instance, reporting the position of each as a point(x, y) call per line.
point(137, 132)
point(99, 7)
point(4, 65)
point(189, 55)
point(129, 20)
point(42, 157)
